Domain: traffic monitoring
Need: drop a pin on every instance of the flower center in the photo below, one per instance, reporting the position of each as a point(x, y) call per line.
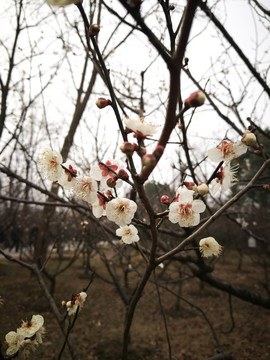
point(86, 186)
point(226, 148)
point(185, 210)
point(53, 162)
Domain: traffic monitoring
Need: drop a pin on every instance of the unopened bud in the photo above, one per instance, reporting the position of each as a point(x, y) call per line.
point(186, 61)
point(111, 182)
point(257, 152)
point(171, 7)
point(249, 139)
point(122, 174)
point(158, 151)
point(102, 103)
point(195, 99)
point(190, 185)
point(127, 148)
point(149, 160)
point(266, 187)
point(94, 29)
point(63, 303)
point(68, 304)
point(202, 189)
point(180, 126)
point(165, 199)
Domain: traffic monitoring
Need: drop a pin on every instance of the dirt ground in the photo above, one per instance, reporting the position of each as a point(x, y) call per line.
point(97, 334)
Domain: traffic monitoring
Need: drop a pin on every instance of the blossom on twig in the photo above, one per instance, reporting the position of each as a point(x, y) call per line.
point(75, 302)
point(128, 234)
point(141, 127)
point(68, 176)
point(121, 211)
point(225, 178)
point(49, 164)
point(103, 173)
point(227, 151)
point(209, 247)
point(85, 188)
point(185, 210)
point(27, 337)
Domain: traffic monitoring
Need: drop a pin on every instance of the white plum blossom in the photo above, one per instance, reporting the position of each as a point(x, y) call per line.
point(30, 328)
point(49, 164)
point(14, 341)
point(227, 151)
point(185, 210)
point(62, 2)
point(99, 206)
point(102, 173)
point(76, 301)
point(226, 177)
point(85, 188)
point(67, 178)
point(121, 211)
point(209, 247)
point(27, 337)
point(128, 234)
point(141, 127)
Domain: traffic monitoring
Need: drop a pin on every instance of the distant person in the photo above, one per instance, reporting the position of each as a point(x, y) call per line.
point(16, 237)
point(33, 235)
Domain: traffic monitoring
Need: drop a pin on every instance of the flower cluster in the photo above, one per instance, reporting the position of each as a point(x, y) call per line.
point(76, 302)
point(26, 338)
point(103, 176)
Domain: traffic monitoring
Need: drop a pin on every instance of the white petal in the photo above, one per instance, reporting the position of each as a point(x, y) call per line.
point(198, 206)
point(119, 232)
point(215, 155)
point(96, 173)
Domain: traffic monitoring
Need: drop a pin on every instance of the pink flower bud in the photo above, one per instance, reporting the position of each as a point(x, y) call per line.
point(190, 185)
point(158, 151)
point(266, 187)
point(94, 29)
point(257, 152)
point(195, 99)
point(102, 103)
point(202, 189)
point(122, 174)
point(165, 199)
point(111, 182)
point(149, 160)
point(249, 139)
point(127, 148)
